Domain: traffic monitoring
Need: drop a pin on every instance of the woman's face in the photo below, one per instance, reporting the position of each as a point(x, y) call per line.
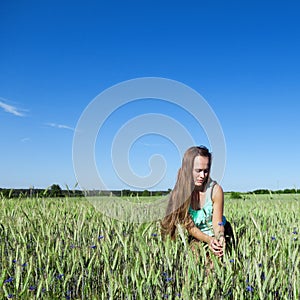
point(200, 170)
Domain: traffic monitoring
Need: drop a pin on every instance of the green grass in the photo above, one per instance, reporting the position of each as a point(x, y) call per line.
point(66, 249)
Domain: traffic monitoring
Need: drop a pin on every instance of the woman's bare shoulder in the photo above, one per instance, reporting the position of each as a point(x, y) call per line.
point(217, 192)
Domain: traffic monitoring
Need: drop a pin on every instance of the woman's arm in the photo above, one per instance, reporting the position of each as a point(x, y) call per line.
point(199, 235)
point(212, 242)
point(218, 209)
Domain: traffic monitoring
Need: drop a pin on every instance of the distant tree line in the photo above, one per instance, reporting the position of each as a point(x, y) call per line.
point(53, 191)
point(56, 191)
point(238, 195)
point(265, 191)
point(127, 193)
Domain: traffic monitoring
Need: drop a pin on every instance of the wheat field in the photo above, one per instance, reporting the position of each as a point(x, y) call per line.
point(67, 249)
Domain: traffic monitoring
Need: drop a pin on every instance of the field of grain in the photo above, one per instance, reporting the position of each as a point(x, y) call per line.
point(66, 249)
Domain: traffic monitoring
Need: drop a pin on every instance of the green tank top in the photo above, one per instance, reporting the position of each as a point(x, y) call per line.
point(203, 217)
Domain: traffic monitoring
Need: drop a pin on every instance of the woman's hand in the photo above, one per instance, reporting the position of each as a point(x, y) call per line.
point(222, 241)
point(216, 246)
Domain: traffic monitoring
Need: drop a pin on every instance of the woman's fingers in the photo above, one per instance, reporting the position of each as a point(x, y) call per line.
point(216, 247)
point(216, 244)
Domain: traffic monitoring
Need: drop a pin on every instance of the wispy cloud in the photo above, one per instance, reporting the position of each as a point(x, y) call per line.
point(24, 140)
point(152, 144)
point(10, 108)
point(60, 126)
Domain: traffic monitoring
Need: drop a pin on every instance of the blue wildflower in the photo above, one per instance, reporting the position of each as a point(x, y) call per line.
point(32, 288)
point(295, 231)
point(169, 279)
point(231, 260)
point(14, 261)
point(68, 293)
point(273, 238)
point(59, 276)
point(249, 288)
point(260, 265)
point(154, 234)
point(93, 246)
point(10, 296)
point(10, 279)
point(24, 265)
point(262, 276)
point(100, 237)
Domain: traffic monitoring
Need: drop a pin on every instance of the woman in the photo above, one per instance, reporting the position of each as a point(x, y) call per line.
point(197, 202)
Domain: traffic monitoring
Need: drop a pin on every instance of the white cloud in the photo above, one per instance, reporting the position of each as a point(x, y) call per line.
point(11, 109)
point(24, 140)
point(60, 126)
point(152, 144)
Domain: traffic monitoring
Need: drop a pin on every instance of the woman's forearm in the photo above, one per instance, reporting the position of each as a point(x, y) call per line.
point(199, 235)
point(218, 230)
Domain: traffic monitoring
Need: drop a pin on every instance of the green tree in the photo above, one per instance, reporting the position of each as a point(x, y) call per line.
point(125, 193)
point(55, 191)
point(146, 193)
point(235, 195)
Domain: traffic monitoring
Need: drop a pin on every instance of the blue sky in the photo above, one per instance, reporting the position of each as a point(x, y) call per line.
point(241, 56)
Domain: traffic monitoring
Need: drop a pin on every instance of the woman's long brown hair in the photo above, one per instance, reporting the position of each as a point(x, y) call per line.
point(180, 197)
